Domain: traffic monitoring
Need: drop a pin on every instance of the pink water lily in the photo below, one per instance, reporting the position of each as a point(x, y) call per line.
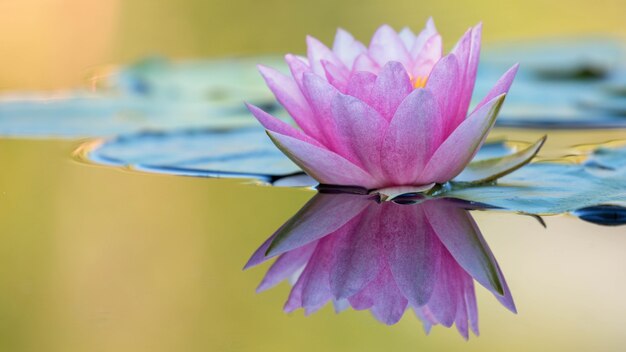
point(385, 257)
point(394, 113)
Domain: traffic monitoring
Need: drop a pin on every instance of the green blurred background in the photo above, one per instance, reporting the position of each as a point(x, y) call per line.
point(55, 43)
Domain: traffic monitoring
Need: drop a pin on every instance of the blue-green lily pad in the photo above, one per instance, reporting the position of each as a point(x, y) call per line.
point(222, 82)
point(544, 187)
point(244, 152)
point(562, 83)
point(554, 187)
point(151, 95)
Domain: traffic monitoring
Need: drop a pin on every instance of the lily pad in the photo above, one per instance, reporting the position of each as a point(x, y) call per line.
point(544, 187)
point(562, 83)
point(554, 187)
point(222, 82)
point(151, 95)
point(243, 152)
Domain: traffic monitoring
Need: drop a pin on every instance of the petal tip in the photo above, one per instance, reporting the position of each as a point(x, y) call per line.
point(312, 41)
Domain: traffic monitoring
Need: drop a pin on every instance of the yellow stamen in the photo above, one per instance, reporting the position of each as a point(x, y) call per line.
point(419, 82)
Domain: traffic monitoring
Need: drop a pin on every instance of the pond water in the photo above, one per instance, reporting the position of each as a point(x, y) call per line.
point(100, 258)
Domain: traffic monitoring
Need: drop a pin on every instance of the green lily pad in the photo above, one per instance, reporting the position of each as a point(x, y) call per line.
point(554, 187)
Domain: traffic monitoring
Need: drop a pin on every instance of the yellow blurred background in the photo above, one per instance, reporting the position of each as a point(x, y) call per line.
point(52, 44)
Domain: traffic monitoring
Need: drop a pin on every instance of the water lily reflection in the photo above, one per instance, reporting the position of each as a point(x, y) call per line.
point(385, 257)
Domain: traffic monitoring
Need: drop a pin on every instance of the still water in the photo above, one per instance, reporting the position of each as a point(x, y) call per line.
point(98, 258)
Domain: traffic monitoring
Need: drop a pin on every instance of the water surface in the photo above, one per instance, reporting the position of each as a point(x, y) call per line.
point(97, 258)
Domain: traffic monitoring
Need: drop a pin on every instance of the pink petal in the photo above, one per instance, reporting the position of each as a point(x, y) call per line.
point(467, 51)
point(470, 304)
point(460, 235)
point(411, 138)
point(323, 165)
point(420, 40)
point(316, 289)
point(259, 256)
point(346, 48)
point(506, 299)
point(341, 305)
point(285, 266)
point(365, 63)
point(360, 85)
point(461, 318)
point(316, 52)
point(392, 86)
point(294, 301)
point(501, 87)
point(424, 315)
point(358, 255)
point(336, 76)
point(444, 83)
point(362, 300)
point(389, 303)
point(383, 297)
point(298, 67)
point(274, 124)
point(443, 300)
point(289, 96)
point(411, 250)
point(359, 129)
point(323, 215)
point(319, 93)
point(387, 46)
point(408, 37)
point(426, 57)
point(462, 144)
point(453, 226)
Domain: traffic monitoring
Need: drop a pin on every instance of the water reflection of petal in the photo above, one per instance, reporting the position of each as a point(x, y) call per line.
point(385, 257)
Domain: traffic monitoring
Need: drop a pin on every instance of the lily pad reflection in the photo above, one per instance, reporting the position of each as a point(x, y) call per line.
point(608, 215)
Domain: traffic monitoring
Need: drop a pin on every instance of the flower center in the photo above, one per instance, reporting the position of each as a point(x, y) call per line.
point(419, 82)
